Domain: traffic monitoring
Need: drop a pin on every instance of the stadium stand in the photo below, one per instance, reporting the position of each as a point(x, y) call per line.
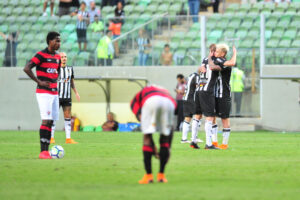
point(239, 21)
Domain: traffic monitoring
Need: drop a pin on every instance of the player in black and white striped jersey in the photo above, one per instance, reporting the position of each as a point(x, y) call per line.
point(189, 109)
point(65, 83)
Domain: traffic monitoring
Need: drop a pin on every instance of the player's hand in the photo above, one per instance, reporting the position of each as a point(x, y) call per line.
point(77, 97)
point(233, 49)
point(44, 83)
point(202, 69)
point(155, 153)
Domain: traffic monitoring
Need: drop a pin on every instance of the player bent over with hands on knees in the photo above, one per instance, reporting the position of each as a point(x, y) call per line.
point(155, 107)
point(47, 63)
point(65, 83)
point(213, 64)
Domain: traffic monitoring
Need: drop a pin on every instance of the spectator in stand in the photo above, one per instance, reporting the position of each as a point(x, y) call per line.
point(144, 47)
point(10, 57)
point(82, 24)
point(87, 3)
point(111, 3)
point(194, 6)
point(115, 26)
point(180, 89)
point(93, 12)
point(64, 7)
point(105, 50)
point(111, 124)
point(216, 5)
point(166, 57)
point(119, 12)
point(97, 26)
point(51, 7)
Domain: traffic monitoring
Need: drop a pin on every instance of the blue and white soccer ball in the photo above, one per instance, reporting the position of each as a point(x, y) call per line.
point(57, 152)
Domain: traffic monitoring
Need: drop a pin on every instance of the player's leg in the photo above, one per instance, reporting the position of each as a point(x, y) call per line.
point(185, 129)
point(196, 123)
point(226, 133)
point(225, 108)
point(45, 102)
point(215, 133)
point(165, 140)
point(68, 128)
point(147, 125)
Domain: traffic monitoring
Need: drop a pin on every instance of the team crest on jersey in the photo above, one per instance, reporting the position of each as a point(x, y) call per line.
point(48, 113)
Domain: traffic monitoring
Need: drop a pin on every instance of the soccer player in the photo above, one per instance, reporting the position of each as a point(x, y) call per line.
point(209, 78)
point(47, 63)
point(189, 108)
point(223, 94)
point(154, 107)
point(65, 83)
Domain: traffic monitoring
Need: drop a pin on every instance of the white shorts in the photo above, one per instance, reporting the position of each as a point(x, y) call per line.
point(49, 106)
point(157, 115)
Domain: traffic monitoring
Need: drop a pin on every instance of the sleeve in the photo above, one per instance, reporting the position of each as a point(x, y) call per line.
point(204, 61)
point(37, 59)
point(220, 62)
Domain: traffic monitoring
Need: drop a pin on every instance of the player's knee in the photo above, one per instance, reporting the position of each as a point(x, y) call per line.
point(148, 140)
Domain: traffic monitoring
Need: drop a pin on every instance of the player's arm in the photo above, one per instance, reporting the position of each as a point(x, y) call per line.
point(212, 65)
point(3, 35)
point(232, 61)
point(28, 70)
point(74, 89)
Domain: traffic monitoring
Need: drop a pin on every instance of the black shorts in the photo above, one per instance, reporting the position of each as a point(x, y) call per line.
point(81, 35)
point(65, 102)
point(207, 104)
point(198, 110)
point(223, 107)
point(188, 108)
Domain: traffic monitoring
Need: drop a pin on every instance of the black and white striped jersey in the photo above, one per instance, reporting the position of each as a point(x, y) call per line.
point(190, 89)
point(64, 82)
point(223, 83)
point(209, 78)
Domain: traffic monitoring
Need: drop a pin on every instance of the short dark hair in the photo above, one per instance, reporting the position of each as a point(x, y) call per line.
point(52, 35)
point(167, 45)
point(213, 47)
point(107, 31)
point(180, 76)
point(83, 3)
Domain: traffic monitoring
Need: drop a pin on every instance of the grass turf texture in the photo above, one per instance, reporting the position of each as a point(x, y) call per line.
point(258, 165)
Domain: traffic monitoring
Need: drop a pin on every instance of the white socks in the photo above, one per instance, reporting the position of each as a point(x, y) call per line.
point(185, 130)
point(68, 128)
point(226, 134)
point(208, 132)
point(214, 133)
point(195, 127)
point(53, 129)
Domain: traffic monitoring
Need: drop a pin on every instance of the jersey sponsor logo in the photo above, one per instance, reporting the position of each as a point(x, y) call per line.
point(52, 71)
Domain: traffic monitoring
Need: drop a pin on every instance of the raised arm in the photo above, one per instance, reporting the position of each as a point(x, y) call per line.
point(232, 61)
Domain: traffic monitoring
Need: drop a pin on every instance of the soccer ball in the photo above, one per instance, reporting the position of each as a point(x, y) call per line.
point(57, 152)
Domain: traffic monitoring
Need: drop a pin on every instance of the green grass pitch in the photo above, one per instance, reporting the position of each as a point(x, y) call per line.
point(258, 165)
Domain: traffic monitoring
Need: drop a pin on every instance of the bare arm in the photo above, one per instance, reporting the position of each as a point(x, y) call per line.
point(74, 89)
point(28, 70)
point(3, 35)
point(232, 61)
point(212, 65)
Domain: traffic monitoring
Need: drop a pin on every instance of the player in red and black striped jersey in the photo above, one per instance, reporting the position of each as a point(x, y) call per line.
point(47, 63)
point(154, 107)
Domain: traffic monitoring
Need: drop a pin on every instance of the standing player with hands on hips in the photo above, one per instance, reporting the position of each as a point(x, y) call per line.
point(65, 83)
point(47, 63)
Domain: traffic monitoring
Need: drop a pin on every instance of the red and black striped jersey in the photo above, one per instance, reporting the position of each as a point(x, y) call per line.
point(140, 98)
point(47, 69)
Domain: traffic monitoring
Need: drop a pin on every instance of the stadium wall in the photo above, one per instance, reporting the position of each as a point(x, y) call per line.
point(18, 106)
point(280, 99)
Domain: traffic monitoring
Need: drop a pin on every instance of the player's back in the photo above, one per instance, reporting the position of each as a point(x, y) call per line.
point(208, 79)
point(193, 81)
